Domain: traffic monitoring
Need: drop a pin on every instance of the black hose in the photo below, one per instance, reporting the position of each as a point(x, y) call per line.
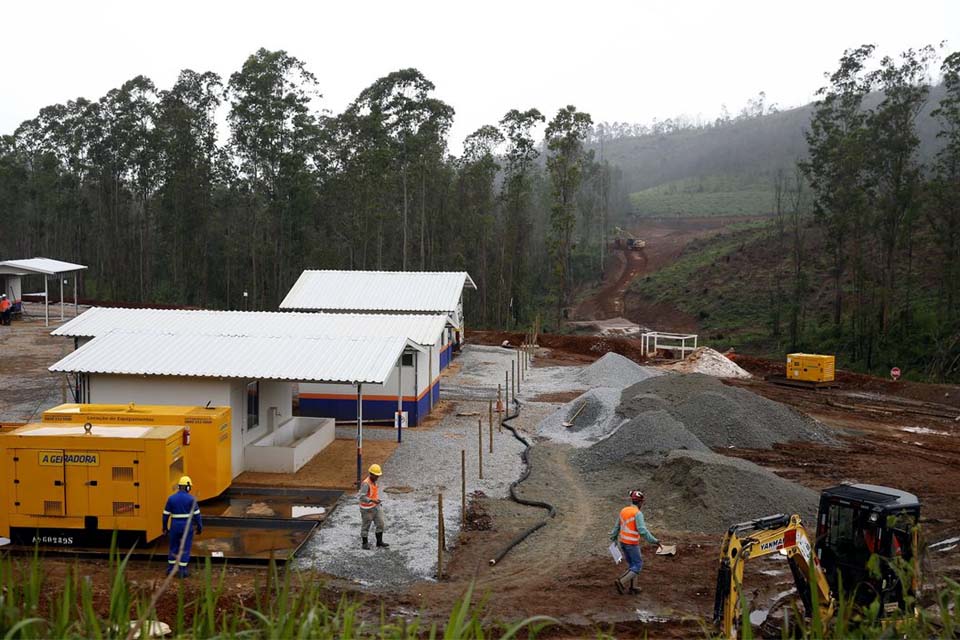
point(513, 494)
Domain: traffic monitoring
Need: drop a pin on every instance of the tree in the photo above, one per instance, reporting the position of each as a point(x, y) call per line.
point(565, 135)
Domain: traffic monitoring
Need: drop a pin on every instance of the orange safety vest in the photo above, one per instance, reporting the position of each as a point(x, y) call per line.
point(4, 305)
point(373, 494)
point(628, 526)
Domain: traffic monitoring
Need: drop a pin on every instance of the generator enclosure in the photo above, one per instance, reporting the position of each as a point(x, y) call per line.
point(810, 367)
point(88, 477)
point(207, 455)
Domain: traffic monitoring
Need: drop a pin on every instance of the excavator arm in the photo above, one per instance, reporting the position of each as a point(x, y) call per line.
point(757, 538)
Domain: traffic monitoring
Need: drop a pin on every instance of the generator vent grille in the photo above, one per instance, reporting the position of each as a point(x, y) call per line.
point(122, 508)
point(52, 508)
point(123, 474)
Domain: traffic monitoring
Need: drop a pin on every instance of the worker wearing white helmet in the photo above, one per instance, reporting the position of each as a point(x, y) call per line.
point(630, 527)
point(370, 512)
point(180, 517)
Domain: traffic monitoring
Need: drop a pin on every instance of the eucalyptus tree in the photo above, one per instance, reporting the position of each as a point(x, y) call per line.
point(565, 135)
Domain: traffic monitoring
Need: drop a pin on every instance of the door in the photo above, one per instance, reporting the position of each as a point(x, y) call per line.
point(115, 484)
point(40, 482)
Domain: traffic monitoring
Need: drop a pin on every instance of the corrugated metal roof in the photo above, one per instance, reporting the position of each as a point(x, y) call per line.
point(301, 359)
point(421, 329)
point(409, 291)
point(46, 266)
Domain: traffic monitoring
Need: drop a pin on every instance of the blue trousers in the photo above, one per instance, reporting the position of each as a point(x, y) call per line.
point(178, 533)
point(632, 553)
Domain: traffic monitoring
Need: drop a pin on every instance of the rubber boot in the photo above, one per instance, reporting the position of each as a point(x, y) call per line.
point(366, 542)
point(634, 585)
point(380, 542)
point(625, 582)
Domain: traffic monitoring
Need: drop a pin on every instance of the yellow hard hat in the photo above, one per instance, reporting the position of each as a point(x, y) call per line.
point(185, 481)
point(375, 470)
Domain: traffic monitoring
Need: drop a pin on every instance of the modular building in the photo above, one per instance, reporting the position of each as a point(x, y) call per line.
point(385, 292)
point(12, 272)
point(254, 376)
point(413, 388)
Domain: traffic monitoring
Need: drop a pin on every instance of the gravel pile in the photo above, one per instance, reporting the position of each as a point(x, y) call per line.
point(719, 415)
point(645, 439)
point(706, 493)
point(710, 362)
point(596, 420)
point(613, 370)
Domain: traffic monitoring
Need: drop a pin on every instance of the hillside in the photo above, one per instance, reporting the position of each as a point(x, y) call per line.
point(668, 173)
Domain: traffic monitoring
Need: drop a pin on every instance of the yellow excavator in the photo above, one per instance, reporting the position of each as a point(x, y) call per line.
point(855, 522)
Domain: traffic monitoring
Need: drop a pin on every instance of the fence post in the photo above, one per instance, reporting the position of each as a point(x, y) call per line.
point(441, 537)
point(463, 488)
point(480, 448)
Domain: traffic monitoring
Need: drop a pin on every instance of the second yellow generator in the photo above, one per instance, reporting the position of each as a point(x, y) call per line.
point(208, 453)
point(809, 367)
point(61, 482)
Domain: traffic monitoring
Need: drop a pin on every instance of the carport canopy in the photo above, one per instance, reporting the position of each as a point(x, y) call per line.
point(46, 267)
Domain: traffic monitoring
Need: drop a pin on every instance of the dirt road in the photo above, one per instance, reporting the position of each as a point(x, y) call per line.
point(665, 241)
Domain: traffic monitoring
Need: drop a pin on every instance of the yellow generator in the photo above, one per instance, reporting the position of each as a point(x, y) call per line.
point(808, 367)
point(62, 484)
point(208, 455)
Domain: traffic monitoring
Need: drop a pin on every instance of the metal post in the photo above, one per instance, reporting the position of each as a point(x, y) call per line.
point(463, 488)
point(359, 433)
point(491, 433)
point(76, 307)
point(430, 377)
point(46, 303)
point(400, 398)
point(480, 448)
point(500, 408)
point(60, 278)
point(513, 381)
point(441, 542)
point(506, 393)
point(490, 416)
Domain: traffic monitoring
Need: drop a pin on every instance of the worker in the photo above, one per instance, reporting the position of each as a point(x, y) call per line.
point(629, 529)
point(183, 515)
point(370, 512)
point(5, 309)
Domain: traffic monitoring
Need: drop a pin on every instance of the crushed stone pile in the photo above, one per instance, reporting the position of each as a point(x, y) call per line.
point(595, 421)
point(705, 492)
point(646, 439)
point(613, 370)
point(719, 415)
point(710, 362)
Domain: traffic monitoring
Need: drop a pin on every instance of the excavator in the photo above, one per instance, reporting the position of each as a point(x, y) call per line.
point(854, 523)
point(623, 239)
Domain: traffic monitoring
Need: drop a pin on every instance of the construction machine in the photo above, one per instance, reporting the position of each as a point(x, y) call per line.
point(855, 522)
point(623, 239)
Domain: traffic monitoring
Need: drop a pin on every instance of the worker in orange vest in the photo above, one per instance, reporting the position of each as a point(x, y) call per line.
point(5, 309)
point(370, 512)
point(629, 529)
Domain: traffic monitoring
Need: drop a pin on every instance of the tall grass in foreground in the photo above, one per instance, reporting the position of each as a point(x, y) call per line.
point(288, 605)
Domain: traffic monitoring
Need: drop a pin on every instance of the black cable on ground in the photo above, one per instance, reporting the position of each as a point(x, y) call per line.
point(513, 495)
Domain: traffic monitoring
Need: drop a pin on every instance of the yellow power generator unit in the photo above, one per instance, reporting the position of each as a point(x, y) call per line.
point(809, 367)
point(61, 482)
point(207, 455)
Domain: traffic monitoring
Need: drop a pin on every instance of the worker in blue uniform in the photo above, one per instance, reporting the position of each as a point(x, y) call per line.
point(182, 515)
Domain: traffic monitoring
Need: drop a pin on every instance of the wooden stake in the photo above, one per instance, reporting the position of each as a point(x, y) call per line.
point(506, 392)
point(463, 488)
point(491, 433)
point(441, 542)
point(490, 410)
point(513, 380)
point(499, 408)
point(480, 448)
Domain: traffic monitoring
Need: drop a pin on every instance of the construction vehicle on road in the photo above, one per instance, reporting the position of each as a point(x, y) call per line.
point(855, 523)
point(623, 239)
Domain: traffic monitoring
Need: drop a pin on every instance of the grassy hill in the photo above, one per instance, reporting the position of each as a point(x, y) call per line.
point(705, 196)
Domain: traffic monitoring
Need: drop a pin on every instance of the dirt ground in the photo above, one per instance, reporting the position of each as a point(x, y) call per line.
point(333, 468)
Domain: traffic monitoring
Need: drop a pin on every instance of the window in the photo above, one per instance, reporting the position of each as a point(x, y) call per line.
point(253, 405)
point(407, 360)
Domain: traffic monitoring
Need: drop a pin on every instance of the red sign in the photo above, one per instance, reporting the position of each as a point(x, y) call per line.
point(895, 373)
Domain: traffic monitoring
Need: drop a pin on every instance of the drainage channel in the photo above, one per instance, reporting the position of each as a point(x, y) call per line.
point(244, 525)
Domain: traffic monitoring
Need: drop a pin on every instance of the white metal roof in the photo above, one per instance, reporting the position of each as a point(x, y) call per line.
point(378, 291)
point(421, 329)
point(47, 266)
point(301, 359)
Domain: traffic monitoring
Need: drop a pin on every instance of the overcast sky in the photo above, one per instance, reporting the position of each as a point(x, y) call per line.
point(627, 61)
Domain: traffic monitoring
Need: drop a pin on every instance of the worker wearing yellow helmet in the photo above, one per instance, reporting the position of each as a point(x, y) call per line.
point(180, 517)
point(370, 511)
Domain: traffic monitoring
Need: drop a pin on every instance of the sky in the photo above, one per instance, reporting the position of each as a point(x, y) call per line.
point(620, 61)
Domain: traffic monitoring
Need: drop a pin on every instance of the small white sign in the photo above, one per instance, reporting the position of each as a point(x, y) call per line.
point(400, 419)
point(216, 554)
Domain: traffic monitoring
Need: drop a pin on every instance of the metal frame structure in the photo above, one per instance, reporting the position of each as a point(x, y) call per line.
point(651, 342)
point(46, 267)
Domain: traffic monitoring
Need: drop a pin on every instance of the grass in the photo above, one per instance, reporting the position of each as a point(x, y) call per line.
point(289, 605)
point(706, 196)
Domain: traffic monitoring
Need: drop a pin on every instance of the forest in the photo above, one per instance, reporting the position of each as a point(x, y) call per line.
point(144, 187)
